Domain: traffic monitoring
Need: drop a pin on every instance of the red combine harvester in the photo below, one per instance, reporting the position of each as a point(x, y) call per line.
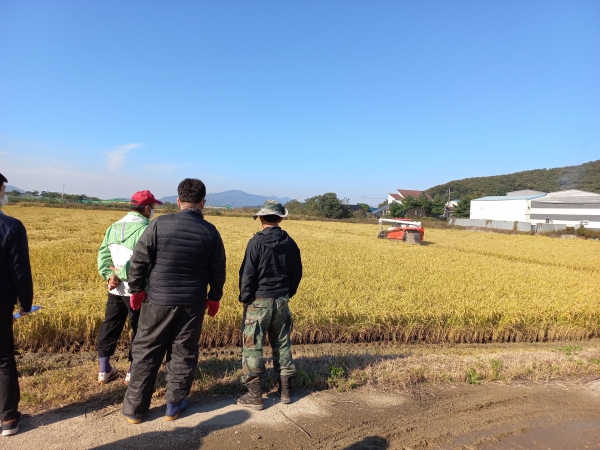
point(403, 230)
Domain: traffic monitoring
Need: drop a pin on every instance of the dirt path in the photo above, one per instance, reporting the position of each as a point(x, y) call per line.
point(528, 416)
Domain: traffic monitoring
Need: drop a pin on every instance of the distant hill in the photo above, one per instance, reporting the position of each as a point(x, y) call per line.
point(585, 177)
point(10, 188)
point(236, 199)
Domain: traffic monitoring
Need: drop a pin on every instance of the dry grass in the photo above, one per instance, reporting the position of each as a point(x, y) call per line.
point(459, 287)
point(65, 379)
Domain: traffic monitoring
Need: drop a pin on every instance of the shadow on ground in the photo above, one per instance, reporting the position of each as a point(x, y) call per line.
point(96, 404)
point(324, 366)
point(181, 437)
point(370, 443)
point(317, 368)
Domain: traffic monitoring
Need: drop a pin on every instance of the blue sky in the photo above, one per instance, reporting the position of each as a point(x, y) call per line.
point(293, 98)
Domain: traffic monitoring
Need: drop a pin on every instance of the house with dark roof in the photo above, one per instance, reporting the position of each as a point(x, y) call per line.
point(401, 194)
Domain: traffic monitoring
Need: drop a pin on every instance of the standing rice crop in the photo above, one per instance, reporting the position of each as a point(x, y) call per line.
point(458, 287)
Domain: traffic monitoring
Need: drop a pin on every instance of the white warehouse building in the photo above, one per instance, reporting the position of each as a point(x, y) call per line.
point(572, 208)
point(508, 208)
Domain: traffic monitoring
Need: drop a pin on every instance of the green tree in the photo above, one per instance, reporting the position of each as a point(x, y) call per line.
point(364, 206)
point(49, 194)
point(330, 206)
point(424, 202)
point(397, 210)
point(326, 205)
point(295, 207)
point(438, 205)
point(409, 203)
point(463, 209)
point(311, 206)
point(382, 204)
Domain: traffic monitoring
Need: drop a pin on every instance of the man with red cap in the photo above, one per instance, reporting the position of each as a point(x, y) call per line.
point(113, 264)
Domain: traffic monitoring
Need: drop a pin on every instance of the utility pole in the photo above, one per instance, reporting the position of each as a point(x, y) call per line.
point(63, 194)
point(449, 204)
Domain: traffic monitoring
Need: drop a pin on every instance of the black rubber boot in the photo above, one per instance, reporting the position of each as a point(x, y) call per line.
point(285, 389)
point(253, 398)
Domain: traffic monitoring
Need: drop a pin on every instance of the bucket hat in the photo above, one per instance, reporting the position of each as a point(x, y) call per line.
point(271, 208)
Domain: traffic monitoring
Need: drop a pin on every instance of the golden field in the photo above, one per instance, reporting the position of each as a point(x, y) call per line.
point(459, 287)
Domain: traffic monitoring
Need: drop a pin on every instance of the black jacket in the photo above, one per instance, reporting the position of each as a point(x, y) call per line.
point(272, 266)
point(15, 269)
point(180, 255)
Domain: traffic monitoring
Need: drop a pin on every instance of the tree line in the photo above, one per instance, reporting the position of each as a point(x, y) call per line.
point(435, 207)
point(327, 205)
point(48, 195)
point(585, 177)
point(330, 206)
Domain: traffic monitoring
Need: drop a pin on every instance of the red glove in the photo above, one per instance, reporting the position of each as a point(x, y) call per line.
point(135, 300)
point(213, 307)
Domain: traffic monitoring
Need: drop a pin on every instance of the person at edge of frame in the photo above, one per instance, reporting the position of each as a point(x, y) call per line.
point(113, 265)
point(16, 283)
point(269, 276)
point(177, 257)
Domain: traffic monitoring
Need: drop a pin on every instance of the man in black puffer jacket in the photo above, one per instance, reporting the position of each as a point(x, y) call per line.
point(269, 277)
point(175, 260)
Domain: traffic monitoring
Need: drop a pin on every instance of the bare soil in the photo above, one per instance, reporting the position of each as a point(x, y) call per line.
point(492, 415)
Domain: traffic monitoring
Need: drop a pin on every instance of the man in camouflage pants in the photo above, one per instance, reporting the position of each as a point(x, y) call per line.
point(269, 276)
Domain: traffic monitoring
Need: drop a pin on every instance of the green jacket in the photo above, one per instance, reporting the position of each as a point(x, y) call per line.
point(117, 248)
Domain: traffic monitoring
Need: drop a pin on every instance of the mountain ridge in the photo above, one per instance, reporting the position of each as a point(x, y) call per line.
point(10, 188)
point(234, 198)
point(585, 177)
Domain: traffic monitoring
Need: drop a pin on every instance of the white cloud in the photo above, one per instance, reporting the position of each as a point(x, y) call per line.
point(48, 174)
point(40, 172)
point(116, 157)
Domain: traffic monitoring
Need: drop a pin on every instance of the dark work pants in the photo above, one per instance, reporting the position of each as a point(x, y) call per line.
point(174, 330)
point(117, 310)
point(9, 381)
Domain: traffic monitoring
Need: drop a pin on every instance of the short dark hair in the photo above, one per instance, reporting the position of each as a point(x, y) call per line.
point(271, 218)
point(191, 190)
point(137, 208)
point(2, 180)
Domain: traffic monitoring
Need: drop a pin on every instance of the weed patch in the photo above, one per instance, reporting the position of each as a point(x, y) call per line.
point(569, 350)
point(472, 376)
point(495, 368)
